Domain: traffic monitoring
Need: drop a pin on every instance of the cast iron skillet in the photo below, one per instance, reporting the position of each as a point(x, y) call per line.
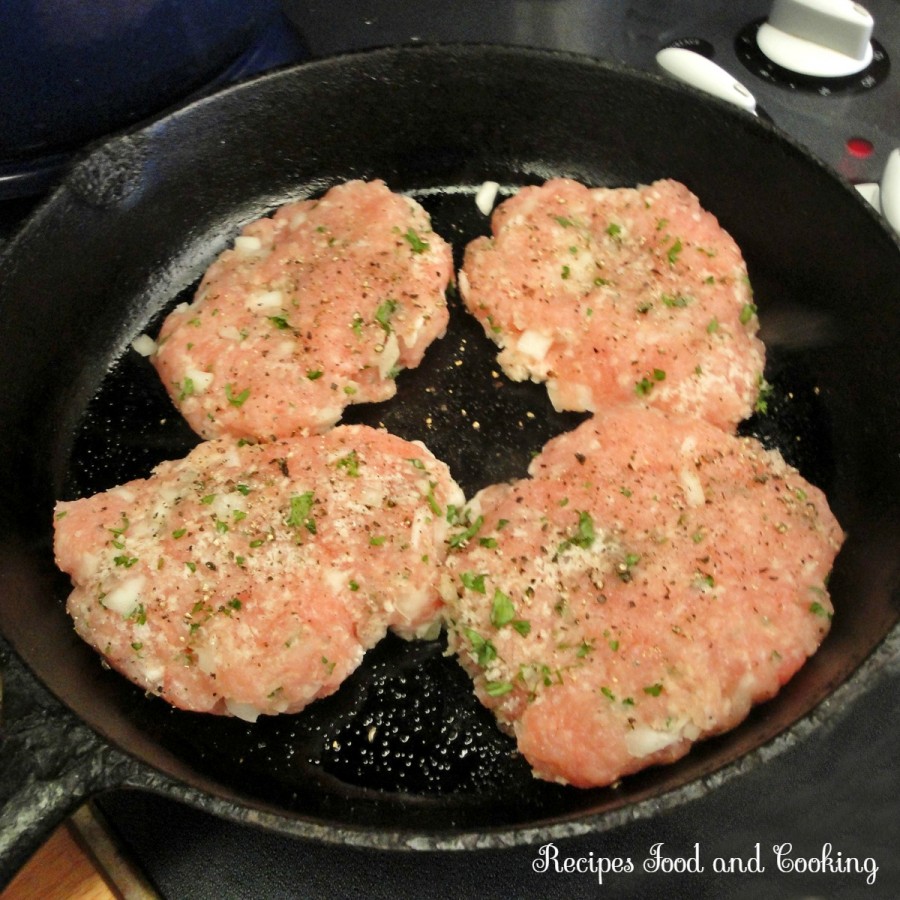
point(402, 756)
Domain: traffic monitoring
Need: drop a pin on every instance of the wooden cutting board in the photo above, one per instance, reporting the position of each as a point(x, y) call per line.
point(80, 861)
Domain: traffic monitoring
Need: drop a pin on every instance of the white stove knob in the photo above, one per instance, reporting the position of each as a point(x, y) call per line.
point(705, 75)
point(885, 197)
point(819, 38)
point(890, 191)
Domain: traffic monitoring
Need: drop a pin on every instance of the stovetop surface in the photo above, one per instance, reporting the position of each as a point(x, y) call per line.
point(833, 798)
point(823, 118)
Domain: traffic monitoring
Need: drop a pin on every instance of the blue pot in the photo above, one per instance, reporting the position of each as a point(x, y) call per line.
point(74, 70)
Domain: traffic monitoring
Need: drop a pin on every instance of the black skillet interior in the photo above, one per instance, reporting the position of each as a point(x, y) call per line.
point(403, 747)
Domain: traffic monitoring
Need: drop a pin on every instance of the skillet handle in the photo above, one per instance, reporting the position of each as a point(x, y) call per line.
point(50, 763)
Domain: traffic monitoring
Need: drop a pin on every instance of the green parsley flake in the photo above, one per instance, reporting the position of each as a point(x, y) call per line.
point(643, 387)
point(502, 609)
point(674, 251)
point(485, 651)
point(301, 506)
point(187, 388)
point(584, 536)
point(461, 538)
point(704, 580)
point(350, 464)
point(504, 613)
point(384, 312)
point(433, 505)
point(236, 400)
point(417, 244)
point(623, 569)
point(762, 399)
point(473, 581)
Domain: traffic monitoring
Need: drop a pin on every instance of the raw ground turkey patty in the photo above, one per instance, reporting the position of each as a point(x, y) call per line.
point(250, 579)
point(618, 295)
point(312, 309)
point(652, 579)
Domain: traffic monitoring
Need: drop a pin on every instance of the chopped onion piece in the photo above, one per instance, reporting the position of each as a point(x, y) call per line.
point(485, 197)
point(144, 344)
point(692, 487)
point(265, 300)
point(124, 598)
point(643, 741)
point(534, 344)
point(246, 711)
point(247, 244)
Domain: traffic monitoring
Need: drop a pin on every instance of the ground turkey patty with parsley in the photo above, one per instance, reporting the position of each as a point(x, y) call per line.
point(653, 578)
point(312, 309)
point(250, 579)
point(618, 294)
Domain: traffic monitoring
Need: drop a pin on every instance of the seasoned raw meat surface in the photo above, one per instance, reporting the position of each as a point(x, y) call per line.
point(618, 295)
point(250, 579)
point(652, 579)
point(312, 309)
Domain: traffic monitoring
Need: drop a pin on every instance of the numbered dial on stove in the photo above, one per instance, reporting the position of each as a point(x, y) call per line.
point(820, 45)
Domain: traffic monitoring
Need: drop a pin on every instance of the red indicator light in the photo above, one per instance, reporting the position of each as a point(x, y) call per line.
point(860, 147)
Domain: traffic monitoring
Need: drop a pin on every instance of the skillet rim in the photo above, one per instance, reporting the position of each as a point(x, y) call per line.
point(848, 691)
